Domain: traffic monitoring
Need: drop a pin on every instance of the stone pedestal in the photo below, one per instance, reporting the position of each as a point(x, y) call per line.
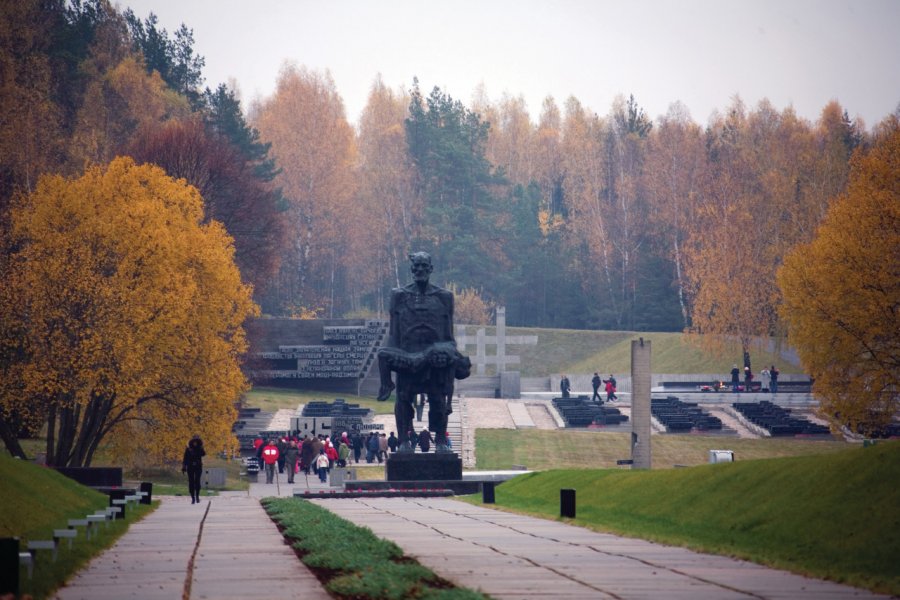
point(510, 385)
point(408, 466)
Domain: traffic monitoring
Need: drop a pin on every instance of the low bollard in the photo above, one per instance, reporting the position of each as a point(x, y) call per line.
point(487, 492)
point(567, 503)
point(147, 486)
point(9, 566)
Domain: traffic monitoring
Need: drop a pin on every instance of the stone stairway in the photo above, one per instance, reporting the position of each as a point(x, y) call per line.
point(454, 425)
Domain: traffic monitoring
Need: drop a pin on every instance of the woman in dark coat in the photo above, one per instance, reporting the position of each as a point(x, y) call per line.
point(193, 466)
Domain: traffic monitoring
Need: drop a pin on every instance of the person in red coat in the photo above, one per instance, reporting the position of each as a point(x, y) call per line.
point(332, 454)
point(270, 458)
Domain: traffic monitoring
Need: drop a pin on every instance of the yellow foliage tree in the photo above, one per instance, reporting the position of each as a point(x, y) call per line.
point(130, 311)
point(469, 307)
point(842, 292)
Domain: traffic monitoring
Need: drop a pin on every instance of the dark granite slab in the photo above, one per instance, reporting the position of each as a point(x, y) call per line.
point(409, 466)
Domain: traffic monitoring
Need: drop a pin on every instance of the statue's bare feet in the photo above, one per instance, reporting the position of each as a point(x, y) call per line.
point(384, 392)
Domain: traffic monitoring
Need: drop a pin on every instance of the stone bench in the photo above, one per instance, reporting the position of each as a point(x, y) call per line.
point(35, 545)
point(67, 534)
point(76, 523)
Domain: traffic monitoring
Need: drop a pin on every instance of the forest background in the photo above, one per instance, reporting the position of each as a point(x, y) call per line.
point(570, 218)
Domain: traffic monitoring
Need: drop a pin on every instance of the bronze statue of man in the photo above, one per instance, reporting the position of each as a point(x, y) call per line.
point(422, 351)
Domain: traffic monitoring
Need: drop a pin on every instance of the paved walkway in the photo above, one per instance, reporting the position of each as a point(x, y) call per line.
point(225, 547)
point(512, 556)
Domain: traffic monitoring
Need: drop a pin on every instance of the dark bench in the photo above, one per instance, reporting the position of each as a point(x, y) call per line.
point(95, 477)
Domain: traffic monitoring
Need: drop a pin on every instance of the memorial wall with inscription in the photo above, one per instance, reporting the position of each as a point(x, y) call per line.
point(321, 354)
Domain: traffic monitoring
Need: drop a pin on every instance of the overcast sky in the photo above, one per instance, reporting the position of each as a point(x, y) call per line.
point(799, 53)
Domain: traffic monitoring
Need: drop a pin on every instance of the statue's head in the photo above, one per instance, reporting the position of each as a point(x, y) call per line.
point(420, 265)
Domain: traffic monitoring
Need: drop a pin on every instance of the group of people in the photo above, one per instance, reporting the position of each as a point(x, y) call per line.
point(565, 387)
point(291, 455)
point(318, 455)
point(768, 379)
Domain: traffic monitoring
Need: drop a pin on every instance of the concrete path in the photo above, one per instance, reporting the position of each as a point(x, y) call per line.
point(225, 547)
point(512, 556)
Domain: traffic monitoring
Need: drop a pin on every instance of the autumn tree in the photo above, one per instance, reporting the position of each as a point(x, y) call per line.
point(842, 292)
point(127, 310)
point(469, 307)
point(234, 194)
point(760, 200)
point(31, 122)
point(458, 187)
point(675, 176)
point(311, 139)
point(173, 58)
point(118, 103)
point(386, 187)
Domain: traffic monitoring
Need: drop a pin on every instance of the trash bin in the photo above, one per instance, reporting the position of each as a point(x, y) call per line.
point(721, 456)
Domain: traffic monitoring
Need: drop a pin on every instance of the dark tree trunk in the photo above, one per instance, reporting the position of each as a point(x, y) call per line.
point(11, 440)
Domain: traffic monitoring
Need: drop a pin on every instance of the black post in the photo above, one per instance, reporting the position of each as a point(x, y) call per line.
point(9, 566)
point(567, 503)
point(147, 486)
point(487, 492)
point(118, 495)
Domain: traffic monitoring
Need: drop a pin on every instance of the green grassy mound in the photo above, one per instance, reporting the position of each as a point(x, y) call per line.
point(352, 562)
point(582, 351)
point(835, 516)
point(36, 500)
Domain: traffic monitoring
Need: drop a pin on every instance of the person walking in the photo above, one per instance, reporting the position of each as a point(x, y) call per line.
point(322, 466)
point(291, 453)
point(307, 456)
point(425, 440)
point(735, 378)
point(343, 453)
point(765, 379)
point(282, 446)
point(357, 442)
point(610, 388)
point(382, 447)
point(564, 386)
point(595, 383)
point(192, 464)
point(372, 448)
point(393, 442)
point(270, 458)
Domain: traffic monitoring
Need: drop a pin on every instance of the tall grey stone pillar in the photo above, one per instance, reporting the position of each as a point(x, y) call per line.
point(501, 339)
point(640, 404)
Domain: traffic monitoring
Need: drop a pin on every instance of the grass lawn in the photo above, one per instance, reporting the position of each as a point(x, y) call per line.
point(833, 515)
point(35, 501)
point(567, 449)
point(271, 399)
point(351, 561)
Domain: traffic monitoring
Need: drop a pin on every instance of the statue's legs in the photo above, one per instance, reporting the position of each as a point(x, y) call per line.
point(403, 418)
point(438, 415)
point(384, 372)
